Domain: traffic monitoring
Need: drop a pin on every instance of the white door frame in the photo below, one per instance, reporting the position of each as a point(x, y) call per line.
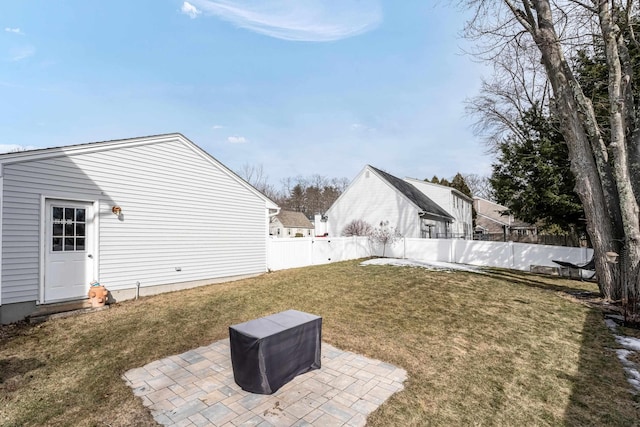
point(93, 243)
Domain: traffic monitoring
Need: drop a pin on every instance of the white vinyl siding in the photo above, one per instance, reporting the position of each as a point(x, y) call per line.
point(373, 200)
point(179, 209)
point(20, 242)
point(447, 199)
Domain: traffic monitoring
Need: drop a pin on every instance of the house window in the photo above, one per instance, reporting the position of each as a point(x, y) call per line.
point(68, 229)
point(278, 232)
point(289, 231)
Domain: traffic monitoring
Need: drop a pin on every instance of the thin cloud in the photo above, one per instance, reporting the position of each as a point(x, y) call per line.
point(237, 140)
point(217, 127)
point(21, 53)
point(299, 20)
point(190, 10)
point(359, 127)
point(14, 31)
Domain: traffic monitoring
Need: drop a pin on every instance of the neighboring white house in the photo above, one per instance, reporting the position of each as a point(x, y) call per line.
point(290, 224)
point(456, 203)
point(375, 196)
point(140, 216)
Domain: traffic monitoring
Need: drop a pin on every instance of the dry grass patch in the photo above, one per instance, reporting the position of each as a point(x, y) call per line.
point(501, 348)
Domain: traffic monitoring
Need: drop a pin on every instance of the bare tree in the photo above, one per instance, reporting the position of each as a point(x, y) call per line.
point(256, 176)
point(385, 236)
point(519, 84)
point(253, 174)
point(357, 227)
point(603, 166)
point(18, 150)
point(479, 185)
point(310, 195)
point(340, 184)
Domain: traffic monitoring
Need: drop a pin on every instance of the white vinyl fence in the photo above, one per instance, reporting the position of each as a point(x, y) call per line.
point(301, 252)
point(286, 253)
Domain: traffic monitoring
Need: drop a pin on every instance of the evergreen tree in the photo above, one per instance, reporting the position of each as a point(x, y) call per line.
point(460, 184)
point(532, 177)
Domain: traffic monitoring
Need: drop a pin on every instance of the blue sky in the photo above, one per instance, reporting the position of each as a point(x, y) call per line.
point(300, 87)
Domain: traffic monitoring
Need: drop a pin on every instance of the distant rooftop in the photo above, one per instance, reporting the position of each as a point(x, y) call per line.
point(291, 219)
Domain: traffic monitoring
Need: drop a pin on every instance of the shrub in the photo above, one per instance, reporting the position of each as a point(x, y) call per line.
point(357, 227)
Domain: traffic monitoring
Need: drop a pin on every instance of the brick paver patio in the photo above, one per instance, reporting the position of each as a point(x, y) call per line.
point(197, 389)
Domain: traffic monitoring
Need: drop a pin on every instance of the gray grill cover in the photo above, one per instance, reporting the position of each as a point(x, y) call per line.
point(268, 352)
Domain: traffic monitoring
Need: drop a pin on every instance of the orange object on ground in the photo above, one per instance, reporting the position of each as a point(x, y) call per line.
point(98, 296)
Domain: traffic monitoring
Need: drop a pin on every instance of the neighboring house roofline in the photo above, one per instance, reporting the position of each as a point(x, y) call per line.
point(503, 209)
point(421, 201)
point(494, 220)
point(70, 150)
point(454, 190)
point(489, 201)
point(513, 223)
point(481, 198)
point(292, 219)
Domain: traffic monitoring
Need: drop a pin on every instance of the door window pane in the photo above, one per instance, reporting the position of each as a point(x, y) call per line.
point(58, 214)
point(57, 244)
point(68, 231)
point(68, 244)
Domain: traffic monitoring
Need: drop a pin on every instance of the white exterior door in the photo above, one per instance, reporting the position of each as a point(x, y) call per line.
point(68, 250)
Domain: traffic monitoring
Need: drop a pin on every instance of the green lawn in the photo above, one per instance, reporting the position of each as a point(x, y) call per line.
point(502, 348)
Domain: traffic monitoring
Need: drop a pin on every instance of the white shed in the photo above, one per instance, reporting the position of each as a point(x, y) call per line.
point(140, 216)
point(375, 196)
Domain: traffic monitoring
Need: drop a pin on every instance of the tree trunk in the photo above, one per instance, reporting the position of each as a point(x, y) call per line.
point(605, 172)
point(621, 119)
point(587, 152)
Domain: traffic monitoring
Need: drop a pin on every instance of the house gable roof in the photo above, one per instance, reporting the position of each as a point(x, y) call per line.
point(455, 191)
point(70, 150)
point(498, 213)
point(414, 195)
point(291, 219)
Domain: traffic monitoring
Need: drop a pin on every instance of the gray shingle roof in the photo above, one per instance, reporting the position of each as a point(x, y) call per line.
point(413, 194)
point(291, 219)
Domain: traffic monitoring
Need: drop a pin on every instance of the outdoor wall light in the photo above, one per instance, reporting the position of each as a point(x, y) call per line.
point(612, 257)
point(116, 210)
